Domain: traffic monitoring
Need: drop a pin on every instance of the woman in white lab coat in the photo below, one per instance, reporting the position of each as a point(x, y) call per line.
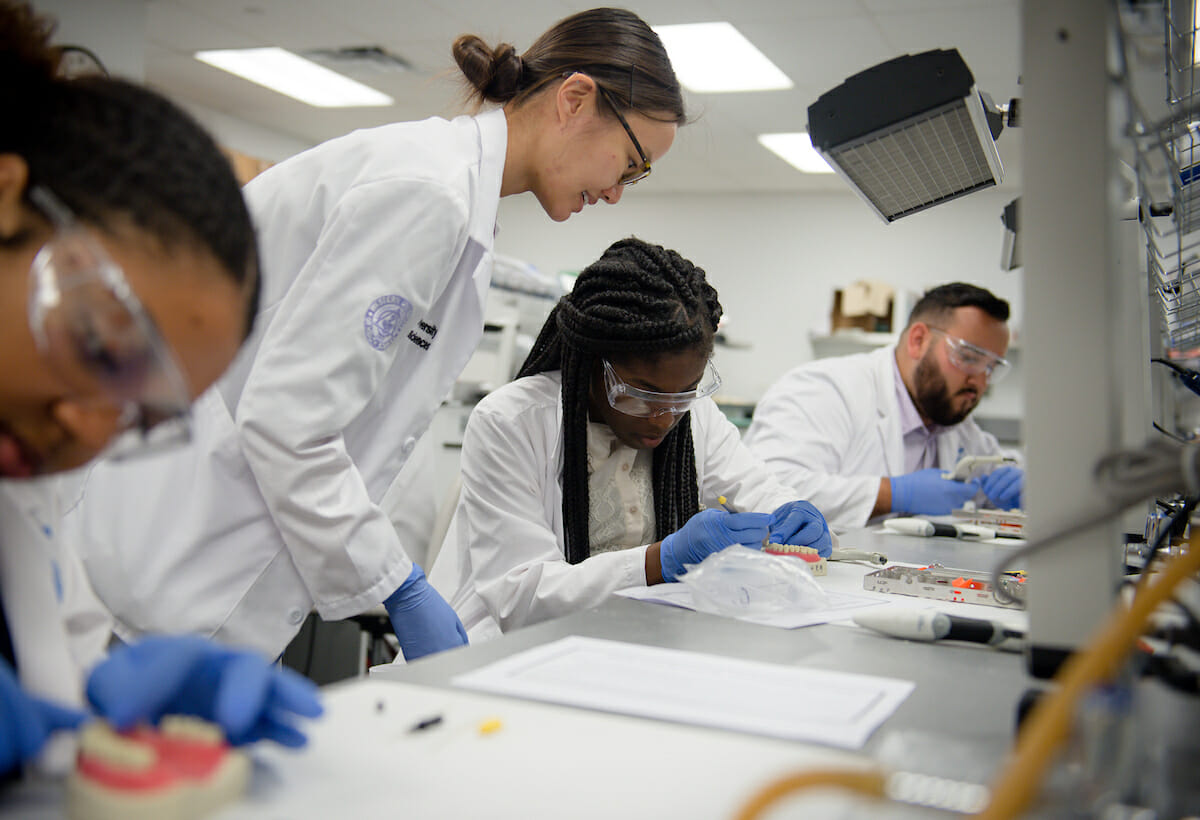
point(377, 250)
point(591, 472)
point(128, 271)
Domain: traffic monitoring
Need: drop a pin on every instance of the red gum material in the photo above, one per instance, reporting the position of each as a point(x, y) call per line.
point(177, 759)
point(781, 549)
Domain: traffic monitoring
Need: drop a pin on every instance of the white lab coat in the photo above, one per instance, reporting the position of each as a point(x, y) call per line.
point(830, 429)
point(377, 250)
point(59, 629)
point(501, 565)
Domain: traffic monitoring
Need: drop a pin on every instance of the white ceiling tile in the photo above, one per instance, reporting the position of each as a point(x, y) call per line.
point(818, 43)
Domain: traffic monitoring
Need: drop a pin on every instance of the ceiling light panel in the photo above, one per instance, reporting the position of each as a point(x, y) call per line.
point(797, 150)
point(714, 58)
point(287, 73)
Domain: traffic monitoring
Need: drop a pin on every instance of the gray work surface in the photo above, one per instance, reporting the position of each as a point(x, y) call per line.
point(958, 722)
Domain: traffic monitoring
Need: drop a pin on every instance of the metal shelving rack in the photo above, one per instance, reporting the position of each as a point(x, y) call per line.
point(1168, 171)
point(1110, 235)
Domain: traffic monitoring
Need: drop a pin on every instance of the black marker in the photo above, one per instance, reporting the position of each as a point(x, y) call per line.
point(427, 723)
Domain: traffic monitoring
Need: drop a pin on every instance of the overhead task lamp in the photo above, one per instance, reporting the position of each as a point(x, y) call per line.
point(910, 133)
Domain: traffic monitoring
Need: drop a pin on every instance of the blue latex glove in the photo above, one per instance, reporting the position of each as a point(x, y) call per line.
point(422, 619)
point(925, 492)
point(800, 523)
point(1003, 487)
point(26, 721)
point(240, 691)
point(708, 532)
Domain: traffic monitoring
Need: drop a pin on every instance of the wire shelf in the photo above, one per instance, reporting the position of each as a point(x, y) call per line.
point(1168, 170)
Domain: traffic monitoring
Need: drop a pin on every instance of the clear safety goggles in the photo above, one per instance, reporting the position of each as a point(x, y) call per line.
point(973, 359)
point(633, 401)
point(92, 329)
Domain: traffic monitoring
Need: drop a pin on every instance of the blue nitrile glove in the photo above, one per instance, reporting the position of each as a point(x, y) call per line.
point(925, 492)
point(1003, 487)
point(422, 619)
point(26, 721)
point(708, 532)
point(248, 697)
point(800, 523)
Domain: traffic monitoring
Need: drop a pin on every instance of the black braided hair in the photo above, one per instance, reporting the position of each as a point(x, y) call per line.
point(636, 301)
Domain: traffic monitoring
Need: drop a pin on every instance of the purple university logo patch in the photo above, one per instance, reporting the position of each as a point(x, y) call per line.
point(384, 319)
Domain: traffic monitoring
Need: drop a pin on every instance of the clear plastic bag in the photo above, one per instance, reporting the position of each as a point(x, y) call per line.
point(743, 581)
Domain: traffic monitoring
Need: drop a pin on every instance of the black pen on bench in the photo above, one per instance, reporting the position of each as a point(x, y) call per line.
point(427, 723)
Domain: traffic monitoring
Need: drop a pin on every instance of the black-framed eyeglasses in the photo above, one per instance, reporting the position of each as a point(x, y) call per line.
point(634, 174)
point(87, 322)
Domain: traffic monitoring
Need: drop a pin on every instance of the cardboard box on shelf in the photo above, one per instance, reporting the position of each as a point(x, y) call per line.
point(865, 306)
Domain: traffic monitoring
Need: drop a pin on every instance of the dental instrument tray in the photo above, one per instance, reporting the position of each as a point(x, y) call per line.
point(942, 584)
point(1004, 522)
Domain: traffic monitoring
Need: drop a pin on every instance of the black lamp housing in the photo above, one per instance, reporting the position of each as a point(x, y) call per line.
point(909, 133)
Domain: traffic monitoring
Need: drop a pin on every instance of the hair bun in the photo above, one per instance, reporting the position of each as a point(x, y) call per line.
point(494, 74)
point(26, 56)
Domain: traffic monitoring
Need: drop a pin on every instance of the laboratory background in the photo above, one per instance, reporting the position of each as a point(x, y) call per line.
point(776, 242)
point(800, 261)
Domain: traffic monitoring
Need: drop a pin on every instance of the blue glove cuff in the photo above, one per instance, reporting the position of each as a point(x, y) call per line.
point(413, 584)
point(901, 497)
point(671, 568)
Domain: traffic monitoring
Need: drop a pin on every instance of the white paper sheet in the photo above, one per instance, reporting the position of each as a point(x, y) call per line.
point(835, 708)
point(841, 605)
point(364, 760)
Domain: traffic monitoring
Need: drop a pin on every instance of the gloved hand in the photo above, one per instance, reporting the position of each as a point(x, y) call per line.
point(422, 619)
point(1003, 487)
point(26, 721)
point(707, 532)
point(240, 691)
point(800, 523)
point(925, 492)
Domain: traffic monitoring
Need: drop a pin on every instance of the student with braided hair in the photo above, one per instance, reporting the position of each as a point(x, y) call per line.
point(377, 255)
point(591, 471)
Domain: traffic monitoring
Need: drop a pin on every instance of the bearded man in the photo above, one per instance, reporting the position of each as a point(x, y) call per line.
point(871, 434)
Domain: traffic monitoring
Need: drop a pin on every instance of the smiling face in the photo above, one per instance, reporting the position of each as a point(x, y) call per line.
point(943, 393)
point(580, 160)
point(56, 416)
point(674, 372)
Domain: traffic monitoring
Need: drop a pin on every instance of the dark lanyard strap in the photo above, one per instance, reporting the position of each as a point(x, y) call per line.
point(6, 651)
point(6, 644)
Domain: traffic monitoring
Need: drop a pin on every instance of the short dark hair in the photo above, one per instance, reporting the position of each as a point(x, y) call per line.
point(112, 150)
point(938, 303)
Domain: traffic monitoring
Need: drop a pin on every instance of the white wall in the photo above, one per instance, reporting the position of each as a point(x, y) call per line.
point(250, 139)
point(775, 259)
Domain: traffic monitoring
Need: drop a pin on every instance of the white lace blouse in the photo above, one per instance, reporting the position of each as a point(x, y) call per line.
point(620, 492)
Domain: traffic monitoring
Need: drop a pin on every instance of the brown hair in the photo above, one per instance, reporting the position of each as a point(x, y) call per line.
point(614, 47)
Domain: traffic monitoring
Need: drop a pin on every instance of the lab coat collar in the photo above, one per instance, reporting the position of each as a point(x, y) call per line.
point(493, 139)
point(910, 417)
point(888, 410)
point(493, 146)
